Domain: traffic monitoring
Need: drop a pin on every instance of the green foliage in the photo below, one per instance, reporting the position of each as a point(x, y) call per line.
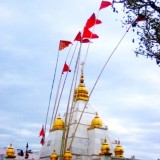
point(148, 31)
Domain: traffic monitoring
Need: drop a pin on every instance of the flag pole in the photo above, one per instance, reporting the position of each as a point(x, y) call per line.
point(65, 79)
point(97, 81)
point(56, 101)
point(50, 97)
point(74, 78)
point(62, 86)
point(59, 80)
point(26, 153)
point(112, 55)
point(110, 58)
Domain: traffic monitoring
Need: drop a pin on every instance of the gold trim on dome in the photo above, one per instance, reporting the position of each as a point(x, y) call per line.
point(10, 152)
point(119, 151)
point(96, 122)
point(58, 124)
point(67, 155)
point(54, 156)
point(105, 149)
point(81, 92)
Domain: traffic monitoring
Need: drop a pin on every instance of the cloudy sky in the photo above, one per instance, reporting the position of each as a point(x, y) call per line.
point(126, 96)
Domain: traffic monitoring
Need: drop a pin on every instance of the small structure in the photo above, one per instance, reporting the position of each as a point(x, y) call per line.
point(58, 124)
point(67, 155)
point(105, 149)
point(53, 156)
point(10, 153)
point(119, 151)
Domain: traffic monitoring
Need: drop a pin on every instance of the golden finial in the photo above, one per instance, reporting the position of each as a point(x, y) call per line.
point(81, 92)
point(67, 155)
point(58, 124)
point(105, 149)
point(118, 150)
point(10, 152)
point(96, 122)
point(82, 71)
point(53, 156)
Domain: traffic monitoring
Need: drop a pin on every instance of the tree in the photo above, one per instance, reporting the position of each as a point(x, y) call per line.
point(148, 31)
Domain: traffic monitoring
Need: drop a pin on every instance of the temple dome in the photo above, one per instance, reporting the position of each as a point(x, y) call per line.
point(58, 124)
point(105, 149)
point(96, 122)
point(119, 150)
point(53, 156)
point(10, 152)
point(67, 155)
point(81, 92)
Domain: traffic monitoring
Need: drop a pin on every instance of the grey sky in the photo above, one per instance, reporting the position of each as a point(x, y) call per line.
point(126, 96)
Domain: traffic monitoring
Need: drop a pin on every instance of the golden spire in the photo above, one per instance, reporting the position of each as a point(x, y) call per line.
point(105, 149)
point(81, 92)
point(118, 150)
point(10, 152)
point(67, 155)
point(96, 122)
point(53, 156)
point(58, 124)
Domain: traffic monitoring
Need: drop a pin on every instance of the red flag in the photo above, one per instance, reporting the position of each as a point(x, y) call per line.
point(42, 141)
point(42, 132)
point(140, 18)
point(63, 44)
point(104, 4)
point(78, 37)
point(92, 21)
point(66, 68)
point(88, 34)
point(85, 40)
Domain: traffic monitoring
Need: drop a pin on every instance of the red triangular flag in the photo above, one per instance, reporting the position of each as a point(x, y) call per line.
point(88, 34)
point(140, 18)
point(78, 37)
point(63, 44)
point(42, 132)
point(104, 4)
point(92, 21)
point(66, 68)
point(42, 141)
point(85, 40)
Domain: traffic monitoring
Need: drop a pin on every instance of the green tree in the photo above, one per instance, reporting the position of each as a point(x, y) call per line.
point(148, 31)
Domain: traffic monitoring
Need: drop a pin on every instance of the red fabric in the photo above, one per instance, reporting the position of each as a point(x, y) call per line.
point(42, 141)
point(66, 68)
point(92, 21)
point(140, 18)
point(104, 4)
point(85, 40)
point(78, 37)
point(88, 34)
point(42, 132)
point(63, 44)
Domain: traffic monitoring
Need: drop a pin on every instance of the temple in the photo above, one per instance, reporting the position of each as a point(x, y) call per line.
point(84, 136)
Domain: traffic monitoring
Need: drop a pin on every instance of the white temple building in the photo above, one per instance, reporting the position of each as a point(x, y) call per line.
point(83, 137)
